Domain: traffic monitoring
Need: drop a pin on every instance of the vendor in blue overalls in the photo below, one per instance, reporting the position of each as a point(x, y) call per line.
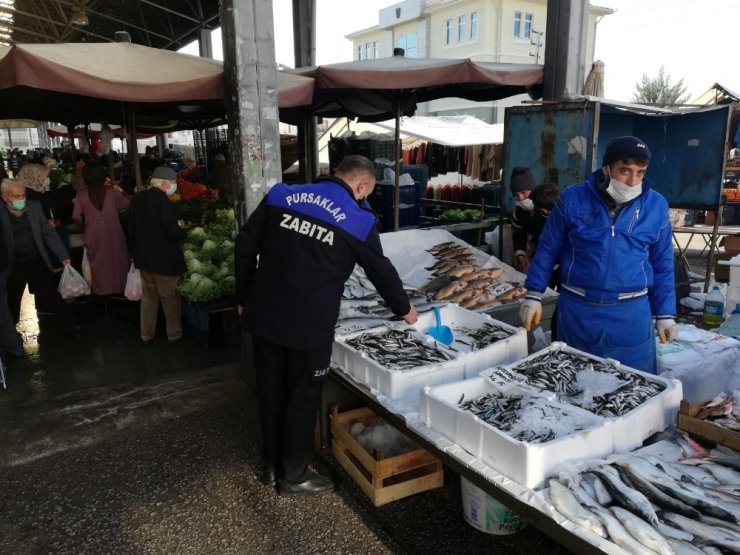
point(612, 237)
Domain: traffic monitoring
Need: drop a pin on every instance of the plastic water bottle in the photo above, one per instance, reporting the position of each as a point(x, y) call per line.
point(714, 307)
point(731, 326)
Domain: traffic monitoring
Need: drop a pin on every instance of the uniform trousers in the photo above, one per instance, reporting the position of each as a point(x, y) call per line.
point(622, 330)
point(289, 385)
point(43, 282)
point(155, 289)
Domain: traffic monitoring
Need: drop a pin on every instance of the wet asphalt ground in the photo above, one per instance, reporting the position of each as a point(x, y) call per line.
point(109, 446)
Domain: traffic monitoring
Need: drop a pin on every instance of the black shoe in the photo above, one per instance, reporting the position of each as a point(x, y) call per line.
point(315, 485)
point(269, 477)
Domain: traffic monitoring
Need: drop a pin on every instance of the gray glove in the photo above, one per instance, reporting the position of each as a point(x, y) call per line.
point(667, 329)
point(530, 312)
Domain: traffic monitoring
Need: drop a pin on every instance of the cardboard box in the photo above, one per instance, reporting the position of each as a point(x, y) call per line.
point(731, 243)
point(722, 272)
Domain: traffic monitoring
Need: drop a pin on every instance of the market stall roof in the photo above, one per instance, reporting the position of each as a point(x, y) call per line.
point(449, 130)
point(82, 82)
point(93, 131)
point(376, 89)
point(718, 94)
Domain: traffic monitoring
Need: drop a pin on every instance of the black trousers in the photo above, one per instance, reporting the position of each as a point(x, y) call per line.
point(10, 340)
point(289, 385)
point(44, 284)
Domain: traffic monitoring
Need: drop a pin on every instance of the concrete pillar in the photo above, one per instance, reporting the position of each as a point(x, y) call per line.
point(251, 100)
point(205, 43)
point(565, 48)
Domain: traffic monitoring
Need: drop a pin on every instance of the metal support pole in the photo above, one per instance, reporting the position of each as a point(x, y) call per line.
point(133, 147)
point(565, 51)
point(304, 41)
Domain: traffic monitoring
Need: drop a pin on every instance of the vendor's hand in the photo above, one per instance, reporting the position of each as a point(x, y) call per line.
point(411, 317)
point(530, 312)
point(667, 329)
point(239, 309)
point(524, 264)
point(65, 262)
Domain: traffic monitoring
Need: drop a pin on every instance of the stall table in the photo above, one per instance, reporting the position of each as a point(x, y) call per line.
point(341, 390)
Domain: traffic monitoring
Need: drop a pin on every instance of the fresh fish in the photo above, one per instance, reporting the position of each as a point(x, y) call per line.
point(697, 500)
point(711, 521)
point(461, 271)
point(485, 305)
point(669, 532)
point(723, 474)
point(566, 503)
point(619, 534)
point(646, 534)
point(441, 246)
point(437, 283)
point(448, 290)
point(709, 534)
point(710, 550)
point(397, 350)
point(684, 548)
point(626, 496)
point(656, 496)
point(461, 296)
point(602, 494)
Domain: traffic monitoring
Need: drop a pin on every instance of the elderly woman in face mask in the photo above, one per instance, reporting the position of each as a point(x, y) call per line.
point(35, 177)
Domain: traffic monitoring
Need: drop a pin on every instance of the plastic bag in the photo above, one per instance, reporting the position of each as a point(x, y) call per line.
point(540, 339)
point(133, 284)
point(86, 270)
point(72, 284)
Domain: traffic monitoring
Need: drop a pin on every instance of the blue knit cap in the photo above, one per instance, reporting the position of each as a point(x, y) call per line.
point(621, 148)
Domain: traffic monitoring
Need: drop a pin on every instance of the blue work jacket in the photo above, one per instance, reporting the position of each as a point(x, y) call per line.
point(605, 259)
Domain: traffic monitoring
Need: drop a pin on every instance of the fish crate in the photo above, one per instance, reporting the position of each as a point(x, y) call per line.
point(507, 350)
point(395, 384)
point(383, 479)
point(630, 429)
point(529, 464)
point(705, 429)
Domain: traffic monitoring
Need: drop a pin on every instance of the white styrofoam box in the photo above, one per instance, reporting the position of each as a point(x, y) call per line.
point(528, 464)
point(507, 350)
point(654, 415)
point(395, 384)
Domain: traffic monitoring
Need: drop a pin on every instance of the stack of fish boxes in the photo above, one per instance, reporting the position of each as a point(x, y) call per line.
point(629, 430)
point(395, 384)
point(504, 351)
point(528, 464)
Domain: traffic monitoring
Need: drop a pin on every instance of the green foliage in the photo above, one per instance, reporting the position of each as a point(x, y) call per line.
point(659, 90)
point(460, 215)
point(209, 256)
point(196, 211)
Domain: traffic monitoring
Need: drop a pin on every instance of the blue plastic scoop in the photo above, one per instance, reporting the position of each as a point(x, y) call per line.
point(441, 333)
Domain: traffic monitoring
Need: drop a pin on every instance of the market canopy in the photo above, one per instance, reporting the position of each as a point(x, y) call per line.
point(377, 89)
point(449, 130)
point(84, 82)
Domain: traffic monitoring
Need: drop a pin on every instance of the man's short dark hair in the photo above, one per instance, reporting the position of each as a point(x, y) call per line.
point(355, 165)
point(545, 196)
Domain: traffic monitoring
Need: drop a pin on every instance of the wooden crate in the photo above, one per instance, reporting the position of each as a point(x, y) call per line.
point(382, 479)
point(706, 429)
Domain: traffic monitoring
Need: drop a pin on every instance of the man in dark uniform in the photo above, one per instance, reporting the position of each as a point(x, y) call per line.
point(308, 239)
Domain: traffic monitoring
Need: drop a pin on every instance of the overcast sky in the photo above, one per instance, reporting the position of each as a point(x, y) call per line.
point(696, 40)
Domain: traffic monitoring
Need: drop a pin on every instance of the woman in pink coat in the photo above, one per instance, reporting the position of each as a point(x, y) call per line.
point(97, 206)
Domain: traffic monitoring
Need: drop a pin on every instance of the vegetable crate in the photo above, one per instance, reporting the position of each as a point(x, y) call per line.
point(705, 429)
point(382, 479)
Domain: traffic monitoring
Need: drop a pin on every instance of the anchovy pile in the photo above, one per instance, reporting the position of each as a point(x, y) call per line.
point(397, 350)
point(487, 334)
point(530, 419)
point(558, 370)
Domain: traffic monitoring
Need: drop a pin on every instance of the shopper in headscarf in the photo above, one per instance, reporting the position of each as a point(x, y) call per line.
point(97, 207)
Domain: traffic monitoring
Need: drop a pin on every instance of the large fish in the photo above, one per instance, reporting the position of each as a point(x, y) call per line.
point(644, 533)
point(567, 504)
point(619, 534)
point(709, 534)
point(626, 496)
point(684, 548)
point(658, 497)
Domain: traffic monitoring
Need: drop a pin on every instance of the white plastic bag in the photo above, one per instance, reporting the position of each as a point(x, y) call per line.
point(540, 339)
point(133, 284)
point(86, 270)
point(72, 284)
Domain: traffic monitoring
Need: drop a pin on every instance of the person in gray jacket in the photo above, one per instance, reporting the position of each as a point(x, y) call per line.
point(26, 236)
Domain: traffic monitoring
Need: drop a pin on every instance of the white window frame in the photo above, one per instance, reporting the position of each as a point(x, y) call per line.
point(517, 25)
point(528, 24)
point(473, 25)
point(449, 28)
point(461, 28)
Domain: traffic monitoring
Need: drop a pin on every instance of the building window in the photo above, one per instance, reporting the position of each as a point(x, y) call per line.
point(473, 25)
point(449, 28)
point(528, 26)
point(367, 51)
point(408, 43)
point(359, 52)
point(375, 49)
point(523, 29)
point(461, 29)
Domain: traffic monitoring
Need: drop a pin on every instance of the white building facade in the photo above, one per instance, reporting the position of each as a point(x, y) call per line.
point(504, 31)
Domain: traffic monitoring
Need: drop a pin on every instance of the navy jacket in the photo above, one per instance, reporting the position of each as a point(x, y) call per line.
point(308, 239)
point(44, 234)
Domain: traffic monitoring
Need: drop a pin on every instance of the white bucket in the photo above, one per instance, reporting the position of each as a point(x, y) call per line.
point(486, 514)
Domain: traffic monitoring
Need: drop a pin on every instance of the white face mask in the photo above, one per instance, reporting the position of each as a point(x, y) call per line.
point(621, 192)
point(172, 189)
point(47, 184)
point(526, 204)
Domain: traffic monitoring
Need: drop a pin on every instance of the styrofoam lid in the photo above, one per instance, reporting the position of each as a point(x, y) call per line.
point(734, 261)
